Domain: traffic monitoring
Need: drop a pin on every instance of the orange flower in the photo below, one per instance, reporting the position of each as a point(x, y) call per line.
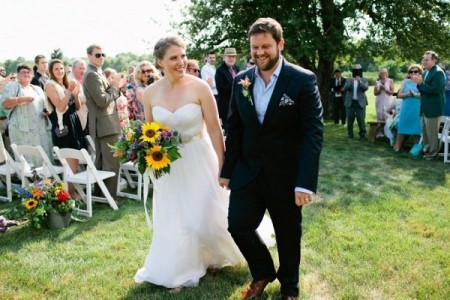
point(37, 193)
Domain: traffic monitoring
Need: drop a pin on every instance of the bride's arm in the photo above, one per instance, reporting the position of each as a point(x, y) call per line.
point(211, 117)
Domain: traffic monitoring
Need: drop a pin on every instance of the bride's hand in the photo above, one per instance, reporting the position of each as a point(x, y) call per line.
point(223, 182)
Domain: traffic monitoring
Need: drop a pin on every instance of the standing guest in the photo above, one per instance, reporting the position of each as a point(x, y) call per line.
point(208, 72)
point(144, 75)
point(41, 68)
point(447, 89)
point(193, 68)
point(63, 106)
point(13, 77)
point(337, 97)
point(28, 123)
point(431, 88)
point(78, 69)
point(130, 70)
point(409, 120)
point(225, 74)
point(250, 63)
point(122, 101)
point(384, 88)
point(104, 126)
point(273, 106)
point(356, 102)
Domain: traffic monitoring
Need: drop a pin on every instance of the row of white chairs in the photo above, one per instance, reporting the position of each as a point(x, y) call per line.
point(83, 180)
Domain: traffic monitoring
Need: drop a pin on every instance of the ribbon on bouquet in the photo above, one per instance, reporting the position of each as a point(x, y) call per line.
point(147, 176)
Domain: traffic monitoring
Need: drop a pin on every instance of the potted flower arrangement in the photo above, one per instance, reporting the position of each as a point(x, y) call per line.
point(149, 145)
point(45, 202)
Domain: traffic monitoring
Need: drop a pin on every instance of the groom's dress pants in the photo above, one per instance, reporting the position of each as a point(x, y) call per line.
point(246, 211)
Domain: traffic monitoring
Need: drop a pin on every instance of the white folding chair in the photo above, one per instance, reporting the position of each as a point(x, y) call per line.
point(444, 138)
point(85, 178)
point(8, 168)
point(47, 169)
point(133, 177)
point(91, 146)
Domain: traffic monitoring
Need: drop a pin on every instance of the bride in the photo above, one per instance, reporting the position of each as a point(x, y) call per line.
point(189, 207)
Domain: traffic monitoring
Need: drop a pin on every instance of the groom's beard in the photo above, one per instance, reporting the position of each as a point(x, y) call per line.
point(269, 64)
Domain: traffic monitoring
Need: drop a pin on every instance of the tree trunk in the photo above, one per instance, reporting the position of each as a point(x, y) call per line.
point(324, 74)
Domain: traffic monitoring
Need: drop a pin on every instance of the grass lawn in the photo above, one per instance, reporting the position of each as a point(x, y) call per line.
point(379, 230)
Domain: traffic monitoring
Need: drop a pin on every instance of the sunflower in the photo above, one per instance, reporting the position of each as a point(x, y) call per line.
point(31, 203)
point(156, 159)
point(37, 193)
point(150, 131)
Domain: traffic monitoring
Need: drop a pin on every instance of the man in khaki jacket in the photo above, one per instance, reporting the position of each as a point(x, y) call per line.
point(103, 118)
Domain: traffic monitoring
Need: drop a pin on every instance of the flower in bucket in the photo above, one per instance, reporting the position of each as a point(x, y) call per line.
point(246, 88)
point(40, 198)
point(149, 145)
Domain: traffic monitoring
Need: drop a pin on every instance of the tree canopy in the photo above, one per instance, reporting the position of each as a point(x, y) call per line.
point(320, 32)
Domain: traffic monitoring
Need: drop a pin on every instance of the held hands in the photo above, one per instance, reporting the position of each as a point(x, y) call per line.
point(223, 182)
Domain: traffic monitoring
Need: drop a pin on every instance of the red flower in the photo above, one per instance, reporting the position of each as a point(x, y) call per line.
point(63, 196)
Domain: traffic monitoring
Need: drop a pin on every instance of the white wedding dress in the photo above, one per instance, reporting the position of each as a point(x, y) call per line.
point(189, 209)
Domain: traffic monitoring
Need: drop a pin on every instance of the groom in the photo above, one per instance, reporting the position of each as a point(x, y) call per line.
point(272, 157)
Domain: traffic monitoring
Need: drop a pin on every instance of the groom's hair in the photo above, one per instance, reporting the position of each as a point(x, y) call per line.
point(269, 25)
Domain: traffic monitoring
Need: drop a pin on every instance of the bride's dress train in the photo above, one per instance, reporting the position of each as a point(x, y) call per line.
point(189, 209)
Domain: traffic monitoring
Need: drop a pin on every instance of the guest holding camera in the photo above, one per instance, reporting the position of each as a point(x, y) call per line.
point(356, 101)
point(144, 75)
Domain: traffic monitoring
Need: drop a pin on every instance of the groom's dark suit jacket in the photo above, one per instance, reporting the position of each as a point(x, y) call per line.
point(287, 145)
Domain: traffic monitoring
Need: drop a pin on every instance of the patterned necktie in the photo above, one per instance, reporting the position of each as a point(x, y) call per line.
point(233, 72)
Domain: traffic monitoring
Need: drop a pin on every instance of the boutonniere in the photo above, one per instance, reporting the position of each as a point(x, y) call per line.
point(246, 88)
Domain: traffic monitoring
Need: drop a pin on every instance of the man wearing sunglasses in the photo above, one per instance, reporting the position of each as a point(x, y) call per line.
point(103, 119)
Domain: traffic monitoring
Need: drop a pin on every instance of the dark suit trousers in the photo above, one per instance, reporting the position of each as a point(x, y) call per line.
point(358, 112)
point(339, 110)
point(247, 208)
point(104, 160)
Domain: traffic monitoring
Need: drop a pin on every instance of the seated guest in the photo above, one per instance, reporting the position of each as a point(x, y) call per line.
point(409, 122)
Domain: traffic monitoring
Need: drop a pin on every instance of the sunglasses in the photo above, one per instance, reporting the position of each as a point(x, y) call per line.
point(149, 71)
point(251, 63)
point(413, 72)
point(99, 54)
point(195, 70)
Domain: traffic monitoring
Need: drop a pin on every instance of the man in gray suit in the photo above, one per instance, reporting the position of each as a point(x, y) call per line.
point(103, 118)
point(356, 101)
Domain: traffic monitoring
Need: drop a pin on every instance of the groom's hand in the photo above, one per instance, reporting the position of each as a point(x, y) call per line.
point(302, 198)
point(223, 182)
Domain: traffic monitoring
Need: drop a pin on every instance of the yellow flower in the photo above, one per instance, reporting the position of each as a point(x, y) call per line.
point(130, 135)
point(150, 131)
point(31, 203)
point(156, 159)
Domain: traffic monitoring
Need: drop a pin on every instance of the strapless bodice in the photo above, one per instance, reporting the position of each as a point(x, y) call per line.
point(187, 119)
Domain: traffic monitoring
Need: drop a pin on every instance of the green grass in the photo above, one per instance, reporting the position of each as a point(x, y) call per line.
point(379, 229)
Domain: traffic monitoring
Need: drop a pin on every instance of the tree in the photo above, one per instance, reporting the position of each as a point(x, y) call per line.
point(318, 32)
point(57, 54)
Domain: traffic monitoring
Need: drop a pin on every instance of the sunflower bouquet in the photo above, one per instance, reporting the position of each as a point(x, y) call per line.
point(40, 198)
point(149, 145)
